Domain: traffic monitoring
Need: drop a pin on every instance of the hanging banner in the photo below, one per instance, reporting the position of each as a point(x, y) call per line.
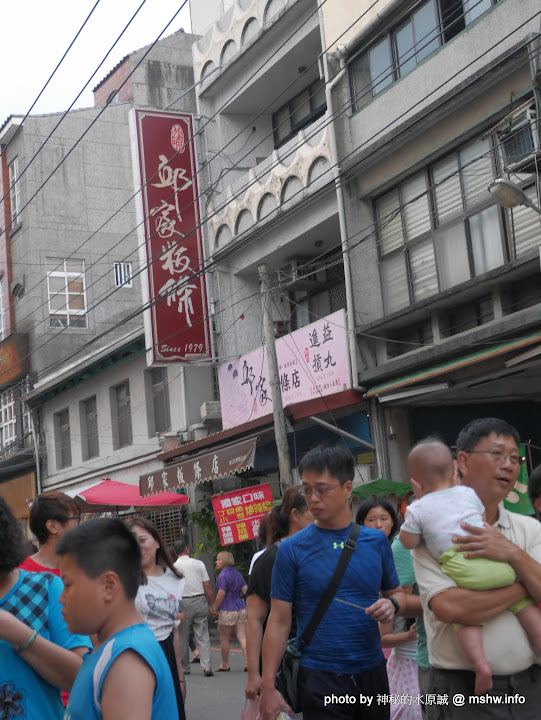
point(174, 249)
point(312, 362)
point(239, 512)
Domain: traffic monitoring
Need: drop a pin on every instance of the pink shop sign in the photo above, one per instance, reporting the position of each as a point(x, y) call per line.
point(312, 362)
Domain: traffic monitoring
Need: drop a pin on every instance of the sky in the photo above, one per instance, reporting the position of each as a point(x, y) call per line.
point(36, 34)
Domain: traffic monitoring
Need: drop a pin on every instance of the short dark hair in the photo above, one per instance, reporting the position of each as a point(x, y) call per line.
point(180, 546)
point(11, 539)
point(471, 435)
point(338, 460)
point(534, 484)
point(376, 501)
point(105, 544)
point(53, 505)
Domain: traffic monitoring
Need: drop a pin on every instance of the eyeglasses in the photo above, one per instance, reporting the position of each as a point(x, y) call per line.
point(317, 492)
point(498, 457)
point(75, 517)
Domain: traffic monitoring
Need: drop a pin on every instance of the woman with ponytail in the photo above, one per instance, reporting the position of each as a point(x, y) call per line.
point(287, 519)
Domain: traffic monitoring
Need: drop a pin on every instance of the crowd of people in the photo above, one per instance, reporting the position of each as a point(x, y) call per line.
point(422, 617)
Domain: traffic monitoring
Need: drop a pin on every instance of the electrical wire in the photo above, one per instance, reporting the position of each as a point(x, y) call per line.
point(72, 43)
point(236, 248)
point(182, 148)
point(64, 115)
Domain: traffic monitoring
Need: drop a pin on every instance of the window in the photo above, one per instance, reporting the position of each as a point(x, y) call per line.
point(8, 419)
point(440, 227)
point(15, 191)
point(300, 111)
point(67, 294)
point(62, 440)
point(430, 25)
point(123, 274)
point(121, 415)
point(157, 401)
point(88, 413)
point(2, 311)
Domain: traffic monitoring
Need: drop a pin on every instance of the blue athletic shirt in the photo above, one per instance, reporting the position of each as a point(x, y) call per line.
point(23, 693)
point(85, 697)
point(346, 640)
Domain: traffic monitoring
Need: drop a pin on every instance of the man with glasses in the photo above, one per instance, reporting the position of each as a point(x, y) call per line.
point(488, 462)
point(342, 670)
point(51, 515)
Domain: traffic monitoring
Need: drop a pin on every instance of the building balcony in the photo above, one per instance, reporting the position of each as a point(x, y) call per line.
point(292, 173)
point(244, 24)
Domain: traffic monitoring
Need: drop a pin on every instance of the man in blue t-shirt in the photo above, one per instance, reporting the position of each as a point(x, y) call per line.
point(342, 670)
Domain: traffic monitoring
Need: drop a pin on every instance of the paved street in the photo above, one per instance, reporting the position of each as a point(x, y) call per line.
point(221, 696)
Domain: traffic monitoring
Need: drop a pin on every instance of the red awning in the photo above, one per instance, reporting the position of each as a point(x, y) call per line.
point(118, 494)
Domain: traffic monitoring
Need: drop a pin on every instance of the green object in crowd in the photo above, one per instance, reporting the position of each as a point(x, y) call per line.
point(518, 500)
point(381, 487)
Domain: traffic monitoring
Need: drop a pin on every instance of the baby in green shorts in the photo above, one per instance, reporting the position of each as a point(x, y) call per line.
point(436, 518)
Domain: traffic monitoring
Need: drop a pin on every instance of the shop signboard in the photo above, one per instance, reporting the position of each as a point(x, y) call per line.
point(239, 512)
point(178, 310)
point(313, 362)
point(218, 463)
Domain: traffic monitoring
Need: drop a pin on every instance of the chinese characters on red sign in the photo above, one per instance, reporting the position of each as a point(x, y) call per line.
point(174, 246)
point(238, 513)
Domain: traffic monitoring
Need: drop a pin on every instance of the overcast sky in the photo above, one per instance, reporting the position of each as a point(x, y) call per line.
point(36, 33)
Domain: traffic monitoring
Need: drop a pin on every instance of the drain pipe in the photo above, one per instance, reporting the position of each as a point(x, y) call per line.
point(342, 222)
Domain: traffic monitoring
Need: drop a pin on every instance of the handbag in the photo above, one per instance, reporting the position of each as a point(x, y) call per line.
point(286, 677)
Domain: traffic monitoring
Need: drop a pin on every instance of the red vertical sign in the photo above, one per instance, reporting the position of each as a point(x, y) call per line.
point(177, 289)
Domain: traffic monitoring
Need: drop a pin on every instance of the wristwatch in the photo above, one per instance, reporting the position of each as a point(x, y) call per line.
point(395, 604)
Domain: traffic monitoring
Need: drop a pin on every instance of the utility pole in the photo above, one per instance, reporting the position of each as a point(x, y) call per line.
point(274, 382)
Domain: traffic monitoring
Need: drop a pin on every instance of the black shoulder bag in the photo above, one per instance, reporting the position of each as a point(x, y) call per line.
point(286, 677)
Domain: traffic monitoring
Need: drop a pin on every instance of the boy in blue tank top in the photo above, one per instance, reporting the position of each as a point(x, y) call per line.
point(127, 675)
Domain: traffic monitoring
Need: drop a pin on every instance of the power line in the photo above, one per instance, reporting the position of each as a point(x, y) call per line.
point(5, 147)
point(251, 234)
point(195, 174)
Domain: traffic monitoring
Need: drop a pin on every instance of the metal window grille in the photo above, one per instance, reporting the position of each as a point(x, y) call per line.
point(123, 274)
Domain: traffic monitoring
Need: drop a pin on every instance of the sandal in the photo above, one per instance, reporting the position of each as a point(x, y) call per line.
point(223, 669)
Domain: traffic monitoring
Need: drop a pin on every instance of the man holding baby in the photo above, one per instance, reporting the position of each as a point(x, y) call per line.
point(489, 463)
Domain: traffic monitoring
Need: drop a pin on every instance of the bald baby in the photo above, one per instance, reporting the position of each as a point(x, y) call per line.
point(430, 466)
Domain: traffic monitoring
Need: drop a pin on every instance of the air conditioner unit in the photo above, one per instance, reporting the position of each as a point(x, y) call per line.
point(186, 436)
point(301, 274)
point(211, 411)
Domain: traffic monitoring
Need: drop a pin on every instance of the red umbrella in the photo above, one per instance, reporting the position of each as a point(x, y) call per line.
point(118, 494)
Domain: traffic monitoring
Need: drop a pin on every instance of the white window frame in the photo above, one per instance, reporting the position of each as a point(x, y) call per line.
point(123, 273)
point(8, 419)
point(2, 311)
point(62, 439)
point(56, 316)
point(15, 190)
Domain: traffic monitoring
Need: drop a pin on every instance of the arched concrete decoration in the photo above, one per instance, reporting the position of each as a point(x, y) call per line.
point(244, 221)
point(250, 30)
point(207, 68)
point(319, 167)
point(230, 49)
point(223, 236)
point(272, 9)
point(292, 187)
point(267, 205)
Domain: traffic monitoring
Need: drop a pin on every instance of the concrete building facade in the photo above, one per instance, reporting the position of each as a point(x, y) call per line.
point(71, 285)
point(428, 102)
